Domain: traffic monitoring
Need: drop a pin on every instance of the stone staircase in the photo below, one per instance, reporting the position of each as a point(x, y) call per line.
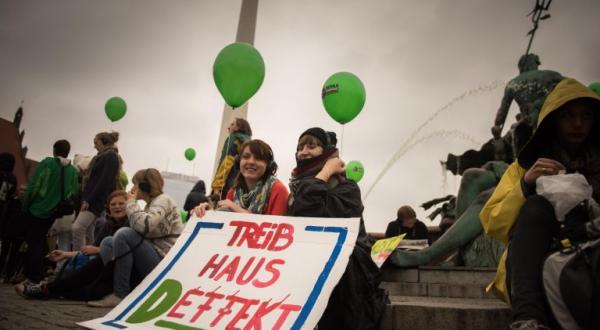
point(445, 298)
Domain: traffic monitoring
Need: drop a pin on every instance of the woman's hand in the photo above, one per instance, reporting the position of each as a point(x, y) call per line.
point(84, 206)
point(58, 255)
point(227, 204)
point(132, 194)
point(332, 167)
point(89, 250)
point(201, 209)
point(541, 167)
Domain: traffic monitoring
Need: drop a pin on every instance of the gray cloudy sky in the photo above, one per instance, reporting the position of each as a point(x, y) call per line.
point(65, 58)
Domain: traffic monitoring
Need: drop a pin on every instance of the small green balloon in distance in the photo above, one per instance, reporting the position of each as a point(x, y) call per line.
point(355, 170)
point(343, 96)
point(115, 108)
point(183, 215)
point(238, 71)
point(595, 86)
point(190, 154)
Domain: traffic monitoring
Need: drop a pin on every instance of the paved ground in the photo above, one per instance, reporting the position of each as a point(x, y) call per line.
point(17, 312)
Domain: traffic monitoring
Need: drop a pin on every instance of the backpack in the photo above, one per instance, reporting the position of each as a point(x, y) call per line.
point(571, 278)
point(65, 206)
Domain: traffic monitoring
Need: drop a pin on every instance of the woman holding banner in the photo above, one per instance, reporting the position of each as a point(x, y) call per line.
point(255, 189)
point(319, 189)
point(151, 234)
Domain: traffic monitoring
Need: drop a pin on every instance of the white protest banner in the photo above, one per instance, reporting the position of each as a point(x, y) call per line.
point(242, 271)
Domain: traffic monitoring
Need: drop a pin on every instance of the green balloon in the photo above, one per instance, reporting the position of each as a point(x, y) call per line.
point(190, 153)
point(115, 108)
point(355, 170)
point(238, 71)
point(343, 96)
point(595, 86)
point(183, 215)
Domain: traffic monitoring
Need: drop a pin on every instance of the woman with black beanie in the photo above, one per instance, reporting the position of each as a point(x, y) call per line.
point(319, 188)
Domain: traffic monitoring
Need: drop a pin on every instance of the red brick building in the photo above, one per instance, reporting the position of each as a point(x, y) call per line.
point(11, 140)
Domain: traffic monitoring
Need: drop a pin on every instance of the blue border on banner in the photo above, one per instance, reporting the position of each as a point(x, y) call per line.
point(316, 291)
point(199, 225)
point(310, 301)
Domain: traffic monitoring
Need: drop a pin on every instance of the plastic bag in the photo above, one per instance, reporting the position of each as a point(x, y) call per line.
point(564, 191)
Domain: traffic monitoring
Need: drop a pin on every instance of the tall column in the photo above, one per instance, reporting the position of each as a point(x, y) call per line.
point(245, 33)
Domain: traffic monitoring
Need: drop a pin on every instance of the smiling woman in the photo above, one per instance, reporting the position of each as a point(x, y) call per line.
point(256, 189)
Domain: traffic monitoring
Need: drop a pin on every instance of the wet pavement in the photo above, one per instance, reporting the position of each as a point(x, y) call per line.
point(17, 312)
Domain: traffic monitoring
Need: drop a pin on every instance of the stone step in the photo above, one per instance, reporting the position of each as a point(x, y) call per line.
point(437, 290)
point(440, 275)
point(406, 312)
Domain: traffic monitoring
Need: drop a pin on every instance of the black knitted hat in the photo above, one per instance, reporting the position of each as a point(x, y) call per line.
point(328, 139)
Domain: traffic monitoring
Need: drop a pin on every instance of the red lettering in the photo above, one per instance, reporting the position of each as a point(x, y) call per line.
point(230, 270)
point(208, 303)
point(283, 232)
point(211, 264)
point(286, 310)
point(184, 302)
point(262, 311)
point(270, 267)
point(245, 231)
point(269, 235)
point(227, 309)
point(272, 236)
point(243, 281)
point(241, 314)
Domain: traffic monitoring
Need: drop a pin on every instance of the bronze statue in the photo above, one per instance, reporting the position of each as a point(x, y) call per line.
point(476, 187)
point(529, 90)
point(447, 211)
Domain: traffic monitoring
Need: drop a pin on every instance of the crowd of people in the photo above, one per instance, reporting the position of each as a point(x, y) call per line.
point(115, 243)
point(118, 243)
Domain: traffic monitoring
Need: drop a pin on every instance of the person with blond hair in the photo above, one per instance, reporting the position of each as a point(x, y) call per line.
point(100, 180)
point(151, 233)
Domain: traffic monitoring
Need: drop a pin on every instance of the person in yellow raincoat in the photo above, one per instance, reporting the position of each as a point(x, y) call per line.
point(239, 132)
point(567, 139)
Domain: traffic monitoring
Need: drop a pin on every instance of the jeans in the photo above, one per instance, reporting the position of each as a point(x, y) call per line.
point(130, 252)
point(83, 230)
point(532, 236)
point(37, 246)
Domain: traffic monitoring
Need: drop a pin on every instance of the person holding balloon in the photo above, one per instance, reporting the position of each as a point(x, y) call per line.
point(319, 188)
point(101, 179)
point(239, 132)
point(255, 189)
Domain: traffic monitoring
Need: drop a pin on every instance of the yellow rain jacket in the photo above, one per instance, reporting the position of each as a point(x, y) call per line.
point(499, 214)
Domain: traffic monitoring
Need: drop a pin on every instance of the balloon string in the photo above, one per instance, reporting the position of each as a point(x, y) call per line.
point(342, 141)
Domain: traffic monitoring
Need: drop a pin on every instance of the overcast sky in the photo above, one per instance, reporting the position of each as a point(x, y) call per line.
point(65, 58)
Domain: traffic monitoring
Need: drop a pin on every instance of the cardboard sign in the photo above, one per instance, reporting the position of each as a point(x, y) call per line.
point(242, 271)
point(383, 248)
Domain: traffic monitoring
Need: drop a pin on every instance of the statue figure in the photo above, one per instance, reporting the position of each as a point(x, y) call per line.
point(447, 211)
point(529, 90)
point(475, 188)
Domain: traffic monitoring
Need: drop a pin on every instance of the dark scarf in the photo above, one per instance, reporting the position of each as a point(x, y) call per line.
point(309, 168)
point(587, 163)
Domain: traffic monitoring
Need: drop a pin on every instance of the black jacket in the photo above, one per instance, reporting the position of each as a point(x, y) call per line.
point(356, 302)
point(102, 181)
point(418, 231)
point(196, 196)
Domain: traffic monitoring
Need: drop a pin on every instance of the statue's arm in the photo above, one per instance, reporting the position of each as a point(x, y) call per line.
point(502, 112)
